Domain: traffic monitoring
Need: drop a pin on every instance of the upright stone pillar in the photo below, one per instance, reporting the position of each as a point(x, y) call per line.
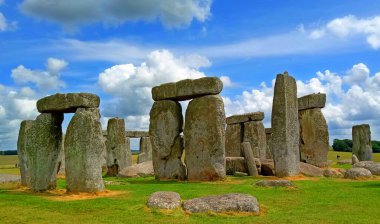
point(43, 145)
point(285, 127)
point(167, 145)
point(254, 133)
point(119, 154)
point(21, 152)
point(268, 137)
point(83, 151)
point(205, 138)
point(234, 137)
point(145, 150)
point(361, 140)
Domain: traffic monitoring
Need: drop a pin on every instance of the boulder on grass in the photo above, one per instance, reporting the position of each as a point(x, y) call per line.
point(310, 170)
point(138, 170)
point(332, 173)
point(274, 183)
point(164, 200)
point(358, 173)
point(373, 167)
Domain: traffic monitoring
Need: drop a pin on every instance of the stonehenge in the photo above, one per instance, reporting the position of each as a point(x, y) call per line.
point(314, 136)
point(204, 131)
point(361, 142)
point(21, 152)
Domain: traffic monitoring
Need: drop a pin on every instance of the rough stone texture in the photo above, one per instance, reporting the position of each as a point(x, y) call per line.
point(344, 161)
point(332, 173)
point(138, 170)
point(240, 174)
point(164, 200)
point(241, 118)
point(369, 165)
point(205, 138)
point(314, 137)
point(234, 137)
point(21, 152)
point(357, 173)
point(285, 127)
point(249, 159)
point(83, 152)
point(61, 168)
point(119, 154)
point(136, 134)
point(268, 137)
point(67, 103)
point(254, 133)
point(9, 178)
point(274, 183)
point(310, 170)
point(354, 159)
point(167, 145)
point(234, 202)
point(187, 89)
point(315, 100)
point(43, 145)
point(235, 164)
point(361, 142)
point(145, 150)
point(267, 168)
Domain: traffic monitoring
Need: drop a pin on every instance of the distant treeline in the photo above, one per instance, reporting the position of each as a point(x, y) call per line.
point(8, 152)
point(345, 145)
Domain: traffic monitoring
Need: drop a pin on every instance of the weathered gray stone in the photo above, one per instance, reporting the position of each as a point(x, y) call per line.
point(164, 200)
point(67, 103)
point(84, 146)
point(267, 168)
point(310, 170)
point(61, 168)
point(187, 89)
point(9, 178)
point(21, 152)
point(369, 165)
point(274, 183)
point(314, 137)
point(357, 173)
point(268, 137)
point(136, 134)
point(145, 150)
point(254, 133)
point(344, 161)
point(43, 145)
point(118, 146)
point(285, 127)
point(242, 118)
point(354, 159)
point(361, 142)
point(138, 170)
point(205, 138)
point(240, 174)
point(332, 173)
point(167, 145)
point(234, 202)
point(315, 100)
point(249, 159)
point(234, 137)
point(235, 164)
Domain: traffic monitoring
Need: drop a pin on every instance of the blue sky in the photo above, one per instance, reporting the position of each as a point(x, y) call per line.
point(119, 49)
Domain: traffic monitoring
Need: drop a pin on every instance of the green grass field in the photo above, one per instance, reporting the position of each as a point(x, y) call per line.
point(321, 200)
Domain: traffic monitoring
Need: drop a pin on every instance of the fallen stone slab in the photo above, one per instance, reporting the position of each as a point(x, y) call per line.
point(187, 89)
point(357, 173)
point(164, 200)
point(67, 103)
point(138, 170)
point(8, 178)
point(242, 118)
point(136, 134)
point(369, 165)
point(344, 161)
point(332, 173)
point(315, 100)
point(240, 174)
point(234, 202)
point(274, 183)
point(310, 170)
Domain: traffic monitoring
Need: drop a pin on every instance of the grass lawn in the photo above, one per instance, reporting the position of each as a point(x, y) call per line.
point(320, 200)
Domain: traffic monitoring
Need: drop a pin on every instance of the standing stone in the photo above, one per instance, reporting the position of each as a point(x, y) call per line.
point(285, 127)
point(254, 133)
point(205, 138)
point(61, 158)
point(145, 150)
point(83, 151)
point(249, 159)
point(268, 137)
point(43, 145)
point(21, 152)
point(314, 137)
point(361, 142)
point(119, 154)
point(167, 145)
point(234, 137)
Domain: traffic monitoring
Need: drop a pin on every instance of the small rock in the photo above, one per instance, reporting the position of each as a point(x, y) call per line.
point(274, 183)
point(354, 159)
point(332, 173)
point(357, 173)
point(240, 174)
point(138, 170)
point(164, 200)
point(234, 202)
point(310, 170)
